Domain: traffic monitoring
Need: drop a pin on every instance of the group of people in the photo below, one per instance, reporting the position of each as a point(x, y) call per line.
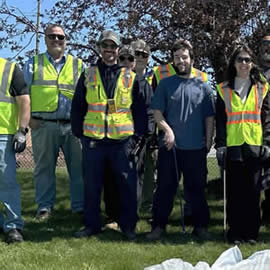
point(128, 131)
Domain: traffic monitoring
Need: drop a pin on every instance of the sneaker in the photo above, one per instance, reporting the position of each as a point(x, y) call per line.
point(112, 226)
point(155, 234)
point(43, 215)
point(14, 236)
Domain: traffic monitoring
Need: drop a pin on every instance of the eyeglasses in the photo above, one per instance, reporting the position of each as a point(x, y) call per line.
point(240, 59)
point(142, 54)
point(54, 36)
point(107, 46)
point(129, 58)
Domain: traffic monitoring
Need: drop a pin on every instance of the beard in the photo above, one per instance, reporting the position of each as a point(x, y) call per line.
point(184, 72)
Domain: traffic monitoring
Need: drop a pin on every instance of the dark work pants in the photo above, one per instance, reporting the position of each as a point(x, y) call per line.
point(111, 195)
point(192, 164)
point(95, 159)
point(243, 199)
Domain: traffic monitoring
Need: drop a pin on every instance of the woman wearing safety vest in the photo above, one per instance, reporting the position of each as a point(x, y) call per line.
point(242, 142)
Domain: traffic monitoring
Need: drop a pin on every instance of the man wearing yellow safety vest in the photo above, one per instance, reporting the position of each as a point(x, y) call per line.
point(243, 142)
point(14, 119)
point(110, 113)
point(52, 77)
point(264, 61)
point(148, 173)
point(183, 107)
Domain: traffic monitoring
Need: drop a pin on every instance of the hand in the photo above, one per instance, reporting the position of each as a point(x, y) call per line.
point(221, 155)
point(169, 139)
point(265, 152)
point(19, 141)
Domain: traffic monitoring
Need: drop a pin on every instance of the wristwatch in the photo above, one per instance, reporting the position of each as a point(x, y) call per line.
point(24, 130)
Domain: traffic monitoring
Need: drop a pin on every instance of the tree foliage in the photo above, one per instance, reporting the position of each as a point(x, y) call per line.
point(213, 27)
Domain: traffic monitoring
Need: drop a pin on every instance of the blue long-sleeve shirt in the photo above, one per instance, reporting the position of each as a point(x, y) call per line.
point(141, 99)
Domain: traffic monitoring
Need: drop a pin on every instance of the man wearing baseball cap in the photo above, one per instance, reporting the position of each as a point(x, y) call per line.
point(110, 113)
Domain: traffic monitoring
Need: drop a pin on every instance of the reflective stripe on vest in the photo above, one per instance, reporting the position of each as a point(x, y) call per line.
point(47, 83)
point(165, 71)
point(100, 121)
point(243, 120)
point(8, 106)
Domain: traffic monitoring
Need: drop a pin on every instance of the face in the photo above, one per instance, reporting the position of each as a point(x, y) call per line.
point(127, 60)
point(109, 52)
point(141, 59)
point(243, 64)
point(265, 51)
point(55, 41)
point(182, 61)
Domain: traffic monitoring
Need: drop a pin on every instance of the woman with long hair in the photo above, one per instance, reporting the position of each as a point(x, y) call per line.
point(243, 141)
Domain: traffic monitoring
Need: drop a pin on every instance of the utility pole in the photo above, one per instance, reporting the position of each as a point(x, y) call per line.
point(38, 26)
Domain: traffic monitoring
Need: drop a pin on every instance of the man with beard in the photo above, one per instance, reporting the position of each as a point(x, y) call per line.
point(52, 77)
point(111, 114)
point(264, 60)
point(184, 111)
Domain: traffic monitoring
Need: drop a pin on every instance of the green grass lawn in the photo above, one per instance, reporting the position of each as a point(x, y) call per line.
point(51, 245)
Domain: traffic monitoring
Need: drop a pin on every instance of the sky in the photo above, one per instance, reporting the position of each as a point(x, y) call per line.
point(29, 9)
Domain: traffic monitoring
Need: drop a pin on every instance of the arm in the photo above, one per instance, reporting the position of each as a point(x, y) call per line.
point(265, 116)
point(209, 129)
point(169, 139)
point(24, 110)
point(78, 108)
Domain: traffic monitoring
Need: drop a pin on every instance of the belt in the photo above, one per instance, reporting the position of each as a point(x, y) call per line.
point(59, 121)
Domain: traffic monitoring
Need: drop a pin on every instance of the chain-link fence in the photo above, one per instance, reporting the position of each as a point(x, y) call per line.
point(25, 159)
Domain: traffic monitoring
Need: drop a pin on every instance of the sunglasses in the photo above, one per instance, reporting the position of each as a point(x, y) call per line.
point(129, 58)
point(240, 59)
point(266, 42)
point(53, 37)
point(106, 46)
point(142, 54)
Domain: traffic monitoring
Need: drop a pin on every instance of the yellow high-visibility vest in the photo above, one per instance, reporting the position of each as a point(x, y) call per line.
point(243, 119)
point(8, 106)
point(105, 117)
point(47, 83)
point(164, 71)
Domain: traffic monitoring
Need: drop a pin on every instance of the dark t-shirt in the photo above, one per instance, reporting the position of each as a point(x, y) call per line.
point(18, 86)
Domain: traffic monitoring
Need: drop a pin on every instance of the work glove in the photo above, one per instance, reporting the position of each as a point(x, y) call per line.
point(221, 155)
point(265, 179)
point(19, 141)
point(265, 152)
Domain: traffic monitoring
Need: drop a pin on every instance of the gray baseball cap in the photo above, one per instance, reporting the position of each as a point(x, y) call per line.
point(109, 35)
point(126, 49)
point(141, 46)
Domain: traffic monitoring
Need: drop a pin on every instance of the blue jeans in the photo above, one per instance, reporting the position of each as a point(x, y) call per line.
point(47, 140)
point(192, 164)
point(10, 191)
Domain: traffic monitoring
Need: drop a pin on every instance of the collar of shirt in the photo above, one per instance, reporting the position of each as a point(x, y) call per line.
point(57, 65)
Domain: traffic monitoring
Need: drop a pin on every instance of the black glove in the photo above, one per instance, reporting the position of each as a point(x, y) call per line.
point(221, 155)
point(265, 152)
point(265, 179)
point(19, 140)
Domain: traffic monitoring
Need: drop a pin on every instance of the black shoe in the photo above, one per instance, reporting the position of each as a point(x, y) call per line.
point(235, 240)
point(130, 235)
point(201, 233)
point(251, 241)
point(14, 236)
point(85, 232)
